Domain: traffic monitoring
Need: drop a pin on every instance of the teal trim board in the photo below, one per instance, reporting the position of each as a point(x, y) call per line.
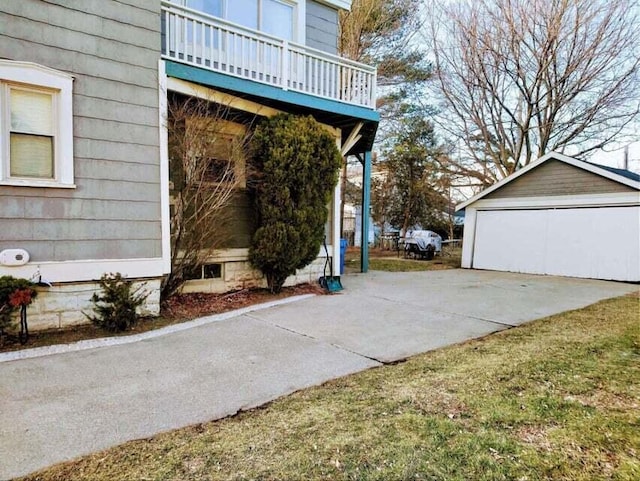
point(249, 87)
point(366, 201)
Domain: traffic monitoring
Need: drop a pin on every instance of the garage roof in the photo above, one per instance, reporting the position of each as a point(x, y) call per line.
point(621, 176)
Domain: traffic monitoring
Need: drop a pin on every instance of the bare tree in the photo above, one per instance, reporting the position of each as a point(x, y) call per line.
point(207, 166)
point(521, 78)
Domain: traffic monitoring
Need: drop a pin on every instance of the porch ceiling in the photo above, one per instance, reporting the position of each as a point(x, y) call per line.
point(337, 114)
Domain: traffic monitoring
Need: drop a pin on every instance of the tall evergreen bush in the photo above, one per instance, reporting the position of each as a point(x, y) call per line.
point(295, 166)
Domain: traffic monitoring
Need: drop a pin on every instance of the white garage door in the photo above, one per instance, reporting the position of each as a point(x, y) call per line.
point(598, 243)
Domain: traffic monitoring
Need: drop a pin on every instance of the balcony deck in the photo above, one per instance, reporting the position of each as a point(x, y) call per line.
point(210, 43)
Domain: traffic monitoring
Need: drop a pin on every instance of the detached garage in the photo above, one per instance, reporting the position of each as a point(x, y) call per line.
point(558, 216)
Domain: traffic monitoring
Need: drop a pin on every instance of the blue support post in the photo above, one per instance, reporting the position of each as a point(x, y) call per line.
point(366, 200)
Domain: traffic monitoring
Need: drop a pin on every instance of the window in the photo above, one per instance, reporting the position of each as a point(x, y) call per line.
point(244, 13)
point(31, 133)
point(222, 150)
point(207, 271)
point(219, 170)
point(212, 271)
point(210, 7)
point(275, 17)
point(36, 126)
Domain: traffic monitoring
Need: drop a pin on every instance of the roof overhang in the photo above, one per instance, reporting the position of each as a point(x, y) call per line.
point(340, 115)
point(342, 4)
point(581, 164)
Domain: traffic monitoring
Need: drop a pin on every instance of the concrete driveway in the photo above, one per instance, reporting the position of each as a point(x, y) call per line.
point(59, 406)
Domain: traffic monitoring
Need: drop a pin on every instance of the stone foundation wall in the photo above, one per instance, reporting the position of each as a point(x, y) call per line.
point(239, 274)
point(62, 305)
point(309, 274)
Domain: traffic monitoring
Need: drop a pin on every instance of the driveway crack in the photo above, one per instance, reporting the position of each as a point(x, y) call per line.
point(337, 346)
point(492, 321)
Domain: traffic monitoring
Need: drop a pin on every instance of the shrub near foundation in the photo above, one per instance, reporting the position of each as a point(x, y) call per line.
point(116, 306)
point(295, 166)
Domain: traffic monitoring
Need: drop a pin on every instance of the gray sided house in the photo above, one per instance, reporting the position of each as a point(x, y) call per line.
point(80, 173)
point(85, 187)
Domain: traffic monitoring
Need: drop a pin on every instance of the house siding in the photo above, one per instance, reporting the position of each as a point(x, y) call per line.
point(322, 27)
point(112, 50)
point(557, 178)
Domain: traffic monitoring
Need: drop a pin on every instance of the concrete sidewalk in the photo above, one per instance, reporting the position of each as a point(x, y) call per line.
point(57, 407)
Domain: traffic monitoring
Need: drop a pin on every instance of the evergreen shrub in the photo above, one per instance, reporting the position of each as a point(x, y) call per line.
point(116, 306)
point(295, 165)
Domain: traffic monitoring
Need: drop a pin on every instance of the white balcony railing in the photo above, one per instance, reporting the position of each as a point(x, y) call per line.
point(211, 43)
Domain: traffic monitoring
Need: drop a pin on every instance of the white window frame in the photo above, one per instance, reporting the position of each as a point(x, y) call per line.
point(294, 10)
point(298, 18)
point(39, 78)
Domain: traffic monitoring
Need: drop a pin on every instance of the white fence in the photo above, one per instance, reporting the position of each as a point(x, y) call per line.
point(211, 43)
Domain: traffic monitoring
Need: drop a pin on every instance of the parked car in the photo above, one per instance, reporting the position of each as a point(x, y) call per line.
point(422, 243)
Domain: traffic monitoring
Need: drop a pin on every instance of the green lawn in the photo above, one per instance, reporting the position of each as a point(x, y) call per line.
point(557, 399)
point(380, 260)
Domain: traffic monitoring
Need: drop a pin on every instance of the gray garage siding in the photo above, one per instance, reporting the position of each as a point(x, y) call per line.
point(112, 49)
point(322, 27)
point(557, 178)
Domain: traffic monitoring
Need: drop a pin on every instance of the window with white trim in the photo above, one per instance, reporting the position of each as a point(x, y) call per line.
point(36, 126)
point(275, 17)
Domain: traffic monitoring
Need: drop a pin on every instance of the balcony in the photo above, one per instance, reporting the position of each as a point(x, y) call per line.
point(210, 43)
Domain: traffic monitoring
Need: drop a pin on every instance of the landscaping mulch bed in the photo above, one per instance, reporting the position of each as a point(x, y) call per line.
point(179, 308)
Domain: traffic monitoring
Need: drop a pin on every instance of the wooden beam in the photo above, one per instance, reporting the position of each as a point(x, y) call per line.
point(353, 139)
point(211, 95)
point(228, 100)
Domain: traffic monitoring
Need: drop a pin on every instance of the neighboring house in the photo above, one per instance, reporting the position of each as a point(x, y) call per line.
point(84, 163)
point(558, 216)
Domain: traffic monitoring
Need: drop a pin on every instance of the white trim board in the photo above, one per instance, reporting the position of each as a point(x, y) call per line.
point(164, 168)
point(555, 156)
point(86, 270)
point(561, 201)
point(353, 138)
point(335, 205)
point(343, 4)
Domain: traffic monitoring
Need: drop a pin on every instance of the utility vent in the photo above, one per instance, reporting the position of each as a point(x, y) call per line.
point(14, 257)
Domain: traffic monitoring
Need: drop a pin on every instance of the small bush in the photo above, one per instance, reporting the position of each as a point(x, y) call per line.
point(13, 294)
point(116, 307)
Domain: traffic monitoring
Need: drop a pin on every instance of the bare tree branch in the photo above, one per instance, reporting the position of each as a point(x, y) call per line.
point(207, 155)
point(520, 78)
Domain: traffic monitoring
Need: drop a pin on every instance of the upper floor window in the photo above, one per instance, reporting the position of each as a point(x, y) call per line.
point(211, 7)
point(275, 17)
point(36, 126)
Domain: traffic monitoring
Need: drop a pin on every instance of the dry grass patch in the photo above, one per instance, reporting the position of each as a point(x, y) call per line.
point(510, 406)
